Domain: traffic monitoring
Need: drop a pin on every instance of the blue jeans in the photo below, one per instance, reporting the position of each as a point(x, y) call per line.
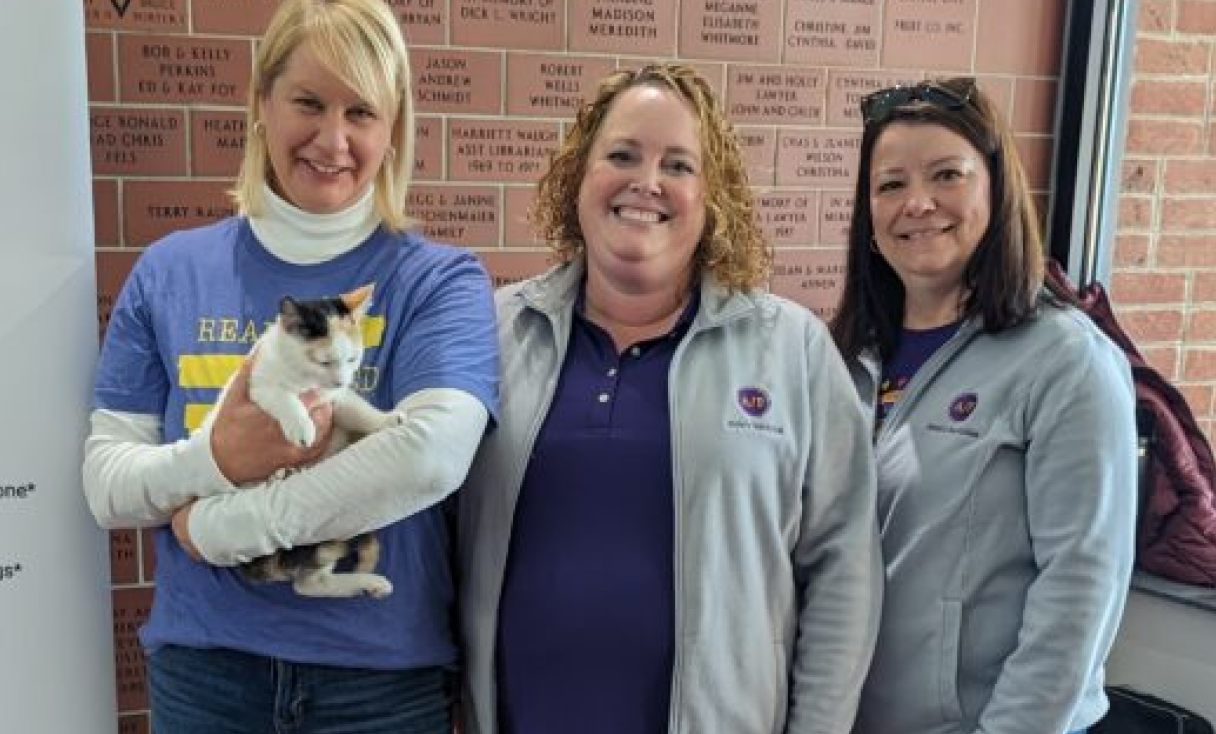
point(216, 691)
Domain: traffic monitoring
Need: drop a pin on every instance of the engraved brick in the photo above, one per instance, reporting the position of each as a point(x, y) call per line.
point(136, 15)
point(124, 557)
point(837, 208)
point(541, 85)
point(929, 35)
point(832, 32)
point(232, 17)
point(137, 141)
point(1135, 212)
point(535, 24)
point(1025, 37)
point(428, 148)
point(217, 142)
point(789, 218)
point(461, 215)
point(642, 27)
point(759, 148)
point(1034, 106)
point(105, 213)
point(817, 158)
point(169, 69)
point(422, 21)
point(511, 267)
point(735, 31)
point(457, 81)
point(1131, 250)
point(1138, 175)
point(134, 724)
point(112, 270)
point(813, 278)
point(99, 53)
point(846, 88)
point(517, 227)
point(500, 150)
point(772, 94)
point(131, 607)
point(152, 209)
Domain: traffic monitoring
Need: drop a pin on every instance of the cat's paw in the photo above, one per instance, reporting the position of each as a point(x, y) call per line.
point(378, 587)
point(299, 432)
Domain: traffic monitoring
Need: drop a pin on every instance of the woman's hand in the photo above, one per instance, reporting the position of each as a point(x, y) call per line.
point(248, 444)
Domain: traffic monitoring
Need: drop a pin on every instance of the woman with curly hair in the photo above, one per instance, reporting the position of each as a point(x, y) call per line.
point(672, 528)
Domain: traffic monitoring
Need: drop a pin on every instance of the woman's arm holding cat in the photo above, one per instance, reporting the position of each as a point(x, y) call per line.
point(132, 479)
point(381, 479)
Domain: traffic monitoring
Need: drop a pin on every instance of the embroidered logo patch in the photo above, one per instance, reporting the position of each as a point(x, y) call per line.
point(753, 401)
point(963, 406)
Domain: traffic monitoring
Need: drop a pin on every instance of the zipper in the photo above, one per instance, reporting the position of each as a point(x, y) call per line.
point(925, 375)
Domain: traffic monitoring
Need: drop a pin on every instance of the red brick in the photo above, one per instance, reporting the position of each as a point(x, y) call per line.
point(1163, 359)
point(1202, 327)
point(134, 724)
point(131, 608)
point(1190, 176)
point(1164, 97)
point(1156, 56)
point(1165, 137)
point(1187, 251)
point(1155, 16)
point(124, 557)
point(1196, 17)
point(1152, 326)
point(1143, 288)
point(1189, 213)
point(1204, 288)
point(99, 52)
point(105, 213)
point(1139, 176)
point(1199, 364)
point(1131, 250)
point(1199, 397)
point(1135, 212)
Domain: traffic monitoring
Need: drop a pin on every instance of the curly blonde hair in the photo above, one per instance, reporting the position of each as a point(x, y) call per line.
point(732, 247)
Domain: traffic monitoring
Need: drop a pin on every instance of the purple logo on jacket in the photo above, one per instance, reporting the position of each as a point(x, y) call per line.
point(963, 406)
point(753, 400)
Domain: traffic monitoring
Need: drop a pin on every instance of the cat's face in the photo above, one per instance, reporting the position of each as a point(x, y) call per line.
point(325, 337)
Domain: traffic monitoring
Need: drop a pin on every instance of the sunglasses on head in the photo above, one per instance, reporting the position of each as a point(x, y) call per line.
point(877, 106)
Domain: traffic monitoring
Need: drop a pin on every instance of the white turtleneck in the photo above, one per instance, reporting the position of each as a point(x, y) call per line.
point(303, 238)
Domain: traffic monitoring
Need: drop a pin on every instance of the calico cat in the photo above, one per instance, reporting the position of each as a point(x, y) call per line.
point(316, 346)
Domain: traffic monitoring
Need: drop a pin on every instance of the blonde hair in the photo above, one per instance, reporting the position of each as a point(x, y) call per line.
point(360, 42)
point(731, 247)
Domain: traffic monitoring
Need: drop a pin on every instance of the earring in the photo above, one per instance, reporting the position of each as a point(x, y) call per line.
point(259, 128)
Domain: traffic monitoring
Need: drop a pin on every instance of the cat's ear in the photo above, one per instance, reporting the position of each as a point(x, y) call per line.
point(359, 299)
point(289, 315)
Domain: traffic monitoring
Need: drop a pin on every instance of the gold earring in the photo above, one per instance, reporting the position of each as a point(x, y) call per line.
point(259, 128)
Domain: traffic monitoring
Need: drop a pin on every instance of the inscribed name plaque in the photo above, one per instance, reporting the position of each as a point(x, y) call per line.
point(846, 88)
point(131, 607)
point(929, 34)
point(642, 27)
point(494, 150)
point(837, 207)
point(506, 268)
point(160, 69)
point(458, 215)
point(771, 94)
point(134, 724)
point(217, 142)
point(136, 15)
point(813, 278)
point(231, 17)
point(817, 158)
point(730, 29)
point(552, 86)
point(423, 21)
point(832, 32)
point(788, 218)
point(153, 209)
point(142, 142)
point(124, 557)
point(457, 81)
point(428, 148)
point(536, 24)
point(759, 148)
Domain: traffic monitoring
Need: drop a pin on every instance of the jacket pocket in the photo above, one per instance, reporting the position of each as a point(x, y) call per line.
point(952, 623)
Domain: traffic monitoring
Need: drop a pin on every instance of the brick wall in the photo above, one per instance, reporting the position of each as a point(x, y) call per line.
point(1164, 278)
point(167, 79)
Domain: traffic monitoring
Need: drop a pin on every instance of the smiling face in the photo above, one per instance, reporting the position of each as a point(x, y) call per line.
point(325, 142)
point(641, 204)
point(930, 204)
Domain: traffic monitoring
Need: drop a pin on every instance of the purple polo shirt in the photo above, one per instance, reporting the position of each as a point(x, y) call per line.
point(586, 623)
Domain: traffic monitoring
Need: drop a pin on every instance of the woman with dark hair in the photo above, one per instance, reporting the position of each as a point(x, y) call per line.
point(1004, 433)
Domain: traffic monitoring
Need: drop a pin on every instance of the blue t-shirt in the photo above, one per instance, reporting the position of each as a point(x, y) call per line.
point(197, 299)
point(914, 349)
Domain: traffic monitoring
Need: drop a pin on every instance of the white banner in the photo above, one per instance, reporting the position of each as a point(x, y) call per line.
point(56, 649)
